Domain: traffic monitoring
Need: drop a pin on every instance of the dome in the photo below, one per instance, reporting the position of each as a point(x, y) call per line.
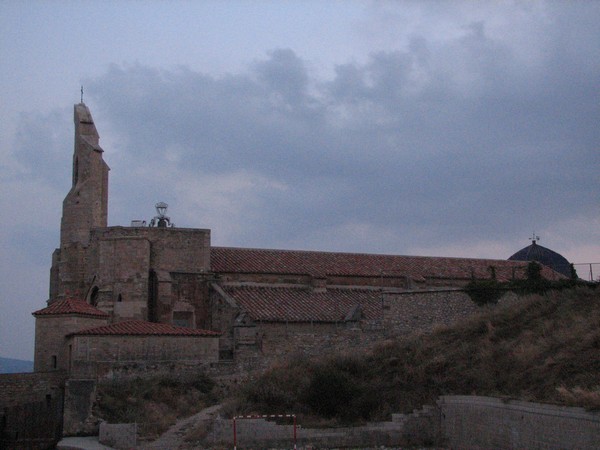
point(545, 256)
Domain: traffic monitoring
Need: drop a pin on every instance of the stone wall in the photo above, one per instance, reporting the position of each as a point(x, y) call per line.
point(484, 422)
point(19, 388)
point(282, 341)
point(417, 311)
point(52, 351)
point(113, 357)
point(122, 259)
point(263, 343)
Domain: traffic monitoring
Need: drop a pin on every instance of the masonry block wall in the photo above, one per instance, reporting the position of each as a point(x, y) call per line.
point(123, 258)
point(20, 388)
point(484, 422)
point(456, 422)
point(120, 356)
point(85, 206)
point(264, 343)
point(408, 312)
point(52, 351)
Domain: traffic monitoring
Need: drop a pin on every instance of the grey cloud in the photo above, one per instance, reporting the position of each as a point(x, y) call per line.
point(43, 147)
point(447, 136)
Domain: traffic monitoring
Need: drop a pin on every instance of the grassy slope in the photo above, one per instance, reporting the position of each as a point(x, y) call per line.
point(155, 404)
point(545, 349)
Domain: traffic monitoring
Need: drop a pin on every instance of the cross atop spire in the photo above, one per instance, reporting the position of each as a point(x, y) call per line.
point(534, 238)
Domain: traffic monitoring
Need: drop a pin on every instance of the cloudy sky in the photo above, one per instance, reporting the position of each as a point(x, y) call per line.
point(417, 128)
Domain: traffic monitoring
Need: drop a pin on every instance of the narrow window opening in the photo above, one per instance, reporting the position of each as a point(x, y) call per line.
point(54, 362)
point(119, 298)
point(75, 171)
point(94, 296)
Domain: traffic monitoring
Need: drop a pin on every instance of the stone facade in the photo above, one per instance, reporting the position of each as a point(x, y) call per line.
point(52, 350)
point(133, 272)
point(267, 305)
point(108, 357)
point(20, 388)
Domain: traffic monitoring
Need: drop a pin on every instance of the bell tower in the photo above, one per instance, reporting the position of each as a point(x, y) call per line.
point(85, 207)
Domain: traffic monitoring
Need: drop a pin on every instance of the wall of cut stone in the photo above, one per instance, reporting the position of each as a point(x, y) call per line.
point(19, 388)
point(120, 261)
point(50, 343)
point(114, 357)
point(421, 311)
point(259, 346)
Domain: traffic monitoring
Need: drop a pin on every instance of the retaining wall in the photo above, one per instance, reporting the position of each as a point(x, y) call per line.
point(485, 422)
point(20, 388)
point(419, 428)
point(455, 422)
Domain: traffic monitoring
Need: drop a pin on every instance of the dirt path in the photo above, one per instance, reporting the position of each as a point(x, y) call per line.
point(173, 438)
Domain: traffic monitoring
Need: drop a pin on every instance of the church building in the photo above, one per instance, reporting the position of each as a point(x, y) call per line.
point(133, 299)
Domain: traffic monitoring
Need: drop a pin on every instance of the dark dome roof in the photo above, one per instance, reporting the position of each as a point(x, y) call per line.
point(545, 256)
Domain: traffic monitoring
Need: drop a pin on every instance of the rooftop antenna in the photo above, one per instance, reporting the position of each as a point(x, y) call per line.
point(82, 93)
point(534, 238)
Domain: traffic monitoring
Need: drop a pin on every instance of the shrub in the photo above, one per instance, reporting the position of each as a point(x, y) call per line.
point(484, 292)
point(331, 392)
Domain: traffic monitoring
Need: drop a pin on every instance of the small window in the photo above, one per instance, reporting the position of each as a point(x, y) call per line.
point(183, 319)
point(54, 362)
point(119, 298)
point(94, 296)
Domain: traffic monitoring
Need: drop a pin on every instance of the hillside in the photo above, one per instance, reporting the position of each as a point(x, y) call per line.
point(10, 365)
point(545, 349)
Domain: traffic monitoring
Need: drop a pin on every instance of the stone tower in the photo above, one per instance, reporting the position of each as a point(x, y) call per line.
point(84, 208)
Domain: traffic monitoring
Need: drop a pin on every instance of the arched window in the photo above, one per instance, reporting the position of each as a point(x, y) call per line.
point(94, 296)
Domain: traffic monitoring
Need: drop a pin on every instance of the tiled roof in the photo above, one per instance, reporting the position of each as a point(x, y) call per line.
point(141, 328)
point(419, 268)
point(70, 306)
point(281, 304)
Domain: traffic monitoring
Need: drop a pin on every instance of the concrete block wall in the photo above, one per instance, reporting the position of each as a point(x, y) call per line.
point(263, 433)
point(484, 422)
point(456, 422)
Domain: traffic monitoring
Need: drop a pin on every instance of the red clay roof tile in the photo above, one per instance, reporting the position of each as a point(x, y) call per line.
point(322, 264)
point(298, 304)
point(142, 328)
point(70, 306)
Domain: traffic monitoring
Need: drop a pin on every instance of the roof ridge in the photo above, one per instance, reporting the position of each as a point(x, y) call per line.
point(70, 305)
point(344, 253)
point(144, 328)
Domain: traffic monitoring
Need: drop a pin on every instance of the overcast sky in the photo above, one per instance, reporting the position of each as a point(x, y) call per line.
point(416, 128)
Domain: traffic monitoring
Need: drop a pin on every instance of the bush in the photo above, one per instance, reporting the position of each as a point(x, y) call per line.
point(330, 392)
point(484, 292)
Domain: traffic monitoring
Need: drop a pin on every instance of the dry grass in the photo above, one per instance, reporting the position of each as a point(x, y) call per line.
point(154, 404)
point(546, 349)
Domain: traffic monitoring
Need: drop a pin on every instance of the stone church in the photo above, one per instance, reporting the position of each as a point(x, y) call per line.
point(137, 299)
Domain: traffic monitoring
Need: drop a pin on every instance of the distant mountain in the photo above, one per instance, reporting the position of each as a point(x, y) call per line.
point(9, 365)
